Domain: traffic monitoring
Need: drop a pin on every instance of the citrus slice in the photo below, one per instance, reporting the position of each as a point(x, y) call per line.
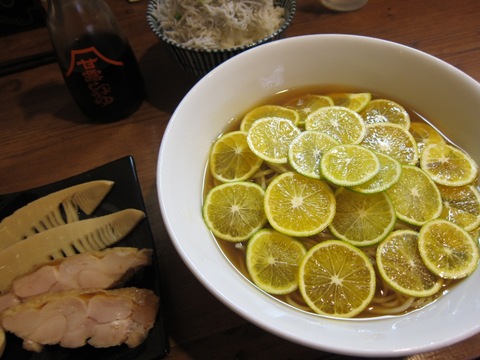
point(448, 165)
point(306, 104)
point(415, 196)
point(231, 159)
point(273, 260)
point(341, 123)
point(349, 165)
point(336, 279)
point(447, 250)
point(307, 149)
point(475, 234)
point(390, 171)
point(425, 134)
point(353, 101)
point(234, 211)
point(362, 219)
point(299, 206)
point(266, 111)
point(461, 205)
point(270, 138)
point(393, 140)
point(401, 266)
point(382, 110)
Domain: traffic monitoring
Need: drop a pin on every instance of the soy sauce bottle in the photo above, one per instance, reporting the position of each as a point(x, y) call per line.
point(96, 60)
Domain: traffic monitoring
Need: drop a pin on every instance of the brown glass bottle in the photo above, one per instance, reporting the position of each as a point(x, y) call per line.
point(97, 63)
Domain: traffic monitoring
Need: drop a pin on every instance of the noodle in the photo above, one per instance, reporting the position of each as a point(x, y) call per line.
point(218, 24)
point(387, 310)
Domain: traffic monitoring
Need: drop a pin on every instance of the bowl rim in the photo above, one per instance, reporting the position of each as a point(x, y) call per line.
point(277, 314)
point(155, 27)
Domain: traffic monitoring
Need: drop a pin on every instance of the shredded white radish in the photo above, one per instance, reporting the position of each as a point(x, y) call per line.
point(218, 24)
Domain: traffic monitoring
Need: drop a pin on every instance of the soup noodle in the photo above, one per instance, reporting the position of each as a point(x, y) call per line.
point(386, 300)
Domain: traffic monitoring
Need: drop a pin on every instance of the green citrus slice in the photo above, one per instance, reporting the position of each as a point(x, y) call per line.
point(336, 279)
point(383, 110)
point(424, 134)
point(354, 101)
point(401, 266)
point(266, 111)
point(235, 211)
point(231, 159)
point(415, 196)
point(306, 104)
point(270, 138)
point(447, 250)
point(349, 165)
point(448, 165)
point(461, 205)
point(393, 140)
point(307, 149)
point(343, 124)
point(299, 206)
point(362, 219)
point(273, 260)
point(390, 171)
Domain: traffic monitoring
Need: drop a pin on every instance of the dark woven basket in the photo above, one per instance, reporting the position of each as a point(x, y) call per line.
point(198, 62)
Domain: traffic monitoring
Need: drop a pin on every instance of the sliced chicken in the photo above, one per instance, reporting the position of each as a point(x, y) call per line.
point(99, 269)
point(2, 341)
point(73, 318)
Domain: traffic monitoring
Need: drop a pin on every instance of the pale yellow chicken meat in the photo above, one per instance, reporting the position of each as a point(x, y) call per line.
point(73, 318)
point(97, 269)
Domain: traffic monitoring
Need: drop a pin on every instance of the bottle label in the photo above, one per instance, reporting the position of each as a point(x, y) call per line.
point(89, 62)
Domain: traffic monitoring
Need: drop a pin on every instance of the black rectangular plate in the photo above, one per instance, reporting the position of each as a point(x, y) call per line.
point(124, 194)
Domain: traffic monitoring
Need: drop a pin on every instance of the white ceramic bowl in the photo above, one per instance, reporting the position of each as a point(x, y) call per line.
point(445, 95)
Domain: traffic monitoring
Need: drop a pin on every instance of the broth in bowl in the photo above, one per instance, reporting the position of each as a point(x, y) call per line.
point(366, 215)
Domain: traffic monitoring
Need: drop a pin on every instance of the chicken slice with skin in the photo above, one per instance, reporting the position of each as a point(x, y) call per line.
point(98, 269)
point(73, 318)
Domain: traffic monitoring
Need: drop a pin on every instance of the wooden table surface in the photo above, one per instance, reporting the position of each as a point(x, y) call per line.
point(44, 138)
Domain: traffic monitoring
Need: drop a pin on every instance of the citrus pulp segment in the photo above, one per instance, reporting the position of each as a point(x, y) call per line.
point(461, 205)
point(299, 206)
point(447, 250)
point(382, 110)
point(341, 123)
point(390, 171)
point(415, 196)
point(306, 104)
point(349, 165)
point(231, 159)
point(266, 111)
point(234, 211)
point(307, 149)
point(270, 138)
point(401, 266)
point(393, 140)
point(362, 219)
point(353, 101)
point(336, 279)
point(424, 134)
point(448, 165)
point(475, 234)
point(273, 260)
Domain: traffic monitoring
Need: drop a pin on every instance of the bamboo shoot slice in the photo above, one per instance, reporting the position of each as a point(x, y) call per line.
point(65, 240)
point(49, 211)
